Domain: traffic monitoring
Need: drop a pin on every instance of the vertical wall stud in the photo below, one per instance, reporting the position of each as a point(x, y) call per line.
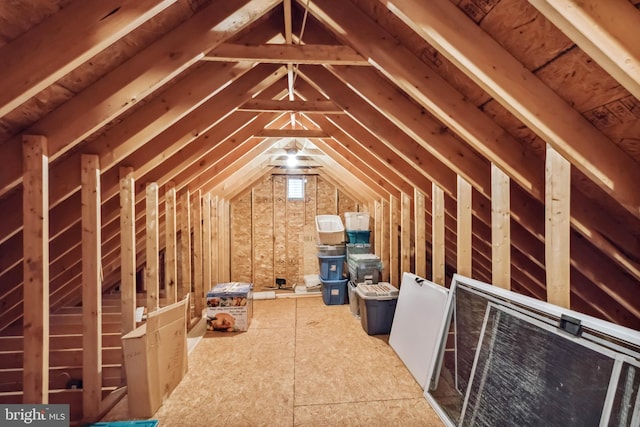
point(171, 243)
point(206, 241)
point(557, 228)
point(127, 250)
point(420, 236)
point(152, 270)
point(214, 240)
point(91, 287)
point(196, 223)
point(500, 228)
point(437, 235)
point(35, 235)
point(385, 228)
point(224, 245)
point(464, 236)
point(405, 233)
point(184, 287)
point(394, 249)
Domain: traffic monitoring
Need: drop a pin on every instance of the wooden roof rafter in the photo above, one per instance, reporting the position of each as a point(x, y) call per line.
point(477, 129)
point(601, 30)
point(522, 93)
point(97, 25)
point(276, 53)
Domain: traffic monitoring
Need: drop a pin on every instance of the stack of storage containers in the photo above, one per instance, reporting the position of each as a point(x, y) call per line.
point(355, 249)
point(357, 224)
point(358, 233)
point(331, 258)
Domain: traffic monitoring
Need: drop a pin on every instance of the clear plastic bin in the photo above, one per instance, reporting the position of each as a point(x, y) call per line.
point(356, 220)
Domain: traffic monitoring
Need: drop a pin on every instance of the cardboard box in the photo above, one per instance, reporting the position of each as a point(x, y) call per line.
point(230, 307)
point(155, 358)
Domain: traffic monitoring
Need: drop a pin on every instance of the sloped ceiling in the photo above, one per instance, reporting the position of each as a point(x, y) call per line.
point(379, 97)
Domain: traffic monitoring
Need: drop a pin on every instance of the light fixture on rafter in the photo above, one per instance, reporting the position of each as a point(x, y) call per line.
point(292, 157)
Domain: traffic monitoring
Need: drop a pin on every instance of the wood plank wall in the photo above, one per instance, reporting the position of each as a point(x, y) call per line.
point(273, 237)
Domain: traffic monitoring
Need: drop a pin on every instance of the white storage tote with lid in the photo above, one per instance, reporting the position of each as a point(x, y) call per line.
point(330, 229)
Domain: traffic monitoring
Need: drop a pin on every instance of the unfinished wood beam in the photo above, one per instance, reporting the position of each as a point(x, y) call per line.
point(384, 230)
point(224, 244)
point(35, 235)
point(288, 40)
point(352, 149)
point(420, 237)
point(215, 255)
point(351, 176)
point(197, 92)
point(220, 185)
point(137, 77)
point(91, 287)
point(152, 249)
point(405, 233)
point(95, 26)
point(206, 241)
point(168, 144)
point(377, 227)
point(127, 250)
point(271, 105)
point(233, 175)
point(395, 275)
point(558, 228)
point(438, 246)
point(603, 30)
point(171, 244)
point(464, 228)
point(287, 53)
point(525, 95)
point(500, 229)
point(397, 122)
point(196, 224)
point(369, 207)
point(198, 158)
point(292, 133)
point(448, 105)
point(184, 286)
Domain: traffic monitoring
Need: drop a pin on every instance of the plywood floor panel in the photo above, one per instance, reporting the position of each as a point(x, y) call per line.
point(301, 363)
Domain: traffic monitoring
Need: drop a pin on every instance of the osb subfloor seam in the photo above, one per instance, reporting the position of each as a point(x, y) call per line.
point(301, 363)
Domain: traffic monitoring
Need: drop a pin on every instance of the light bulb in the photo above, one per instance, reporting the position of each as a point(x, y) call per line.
point(292, 160)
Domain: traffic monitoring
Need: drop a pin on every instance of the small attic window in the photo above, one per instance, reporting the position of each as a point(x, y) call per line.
point(295, 188)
